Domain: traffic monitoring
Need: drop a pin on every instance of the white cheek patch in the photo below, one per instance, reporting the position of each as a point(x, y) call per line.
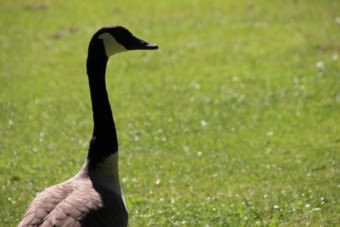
point(111, 45)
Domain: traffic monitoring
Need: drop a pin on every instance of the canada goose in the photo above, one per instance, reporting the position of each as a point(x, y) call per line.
point(93, 196)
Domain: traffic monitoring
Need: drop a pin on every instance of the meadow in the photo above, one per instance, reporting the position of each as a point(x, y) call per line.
point(235, 121)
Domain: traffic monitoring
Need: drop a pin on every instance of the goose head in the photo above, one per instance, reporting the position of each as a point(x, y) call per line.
point(118, 39)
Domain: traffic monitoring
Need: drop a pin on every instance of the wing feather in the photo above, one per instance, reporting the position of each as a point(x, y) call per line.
point(76, 204)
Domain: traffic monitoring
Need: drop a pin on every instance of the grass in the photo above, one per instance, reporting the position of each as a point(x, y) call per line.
point(233, 122)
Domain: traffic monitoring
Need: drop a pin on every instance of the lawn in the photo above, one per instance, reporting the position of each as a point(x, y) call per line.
point(235, 121)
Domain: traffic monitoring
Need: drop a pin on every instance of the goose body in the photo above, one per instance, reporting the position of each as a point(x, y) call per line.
point(92, 197)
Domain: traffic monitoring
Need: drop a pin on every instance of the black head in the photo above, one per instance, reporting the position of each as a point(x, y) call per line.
point(118, 39)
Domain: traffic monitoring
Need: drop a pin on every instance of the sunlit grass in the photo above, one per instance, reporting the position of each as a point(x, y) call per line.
point(234, 121)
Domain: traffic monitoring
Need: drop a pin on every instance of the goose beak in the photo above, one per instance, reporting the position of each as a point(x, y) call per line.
point(139, 44)
point(150, 46)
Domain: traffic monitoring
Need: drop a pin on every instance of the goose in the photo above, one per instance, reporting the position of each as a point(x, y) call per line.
point(92, 197)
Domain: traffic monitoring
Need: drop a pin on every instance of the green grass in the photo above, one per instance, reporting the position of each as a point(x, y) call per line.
point(230, 123)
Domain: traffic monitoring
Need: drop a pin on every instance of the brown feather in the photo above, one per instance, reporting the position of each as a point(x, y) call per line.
point(76, 202)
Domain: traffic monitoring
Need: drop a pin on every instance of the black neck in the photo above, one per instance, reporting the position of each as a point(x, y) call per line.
point(104, 139)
